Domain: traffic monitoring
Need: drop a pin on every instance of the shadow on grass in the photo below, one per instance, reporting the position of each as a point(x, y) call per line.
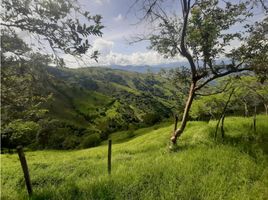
point(250, 144)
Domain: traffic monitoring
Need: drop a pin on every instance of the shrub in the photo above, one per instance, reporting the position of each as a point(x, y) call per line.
point(19, 133)
point(90, 140)
point(151, 118)
point(71, 142)
point(130, 134)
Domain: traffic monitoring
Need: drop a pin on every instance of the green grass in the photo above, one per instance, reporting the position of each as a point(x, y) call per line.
point(143, 168)
point(88, 102)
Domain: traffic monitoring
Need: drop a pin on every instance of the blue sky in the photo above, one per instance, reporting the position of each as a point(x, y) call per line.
point(120, 26)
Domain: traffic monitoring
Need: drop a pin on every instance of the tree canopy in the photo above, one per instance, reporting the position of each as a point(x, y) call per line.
point(204, 33)
point(61, 24)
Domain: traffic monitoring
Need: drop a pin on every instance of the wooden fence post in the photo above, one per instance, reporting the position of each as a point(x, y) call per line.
point(109, 156)
point(254, 119)
point(25, 170)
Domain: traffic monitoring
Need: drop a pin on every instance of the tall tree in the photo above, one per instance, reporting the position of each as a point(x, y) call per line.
point(202, 34)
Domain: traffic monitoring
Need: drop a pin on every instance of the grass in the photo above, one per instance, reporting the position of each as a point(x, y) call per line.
point(88, 102)
point(143, 168)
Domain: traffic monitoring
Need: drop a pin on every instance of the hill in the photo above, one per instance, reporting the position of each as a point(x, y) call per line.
point(142, 167)
point(86, 104)
point(150, 68)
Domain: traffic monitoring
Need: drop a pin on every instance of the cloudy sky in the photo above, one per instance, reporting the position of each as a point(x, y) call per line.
point(121, 25)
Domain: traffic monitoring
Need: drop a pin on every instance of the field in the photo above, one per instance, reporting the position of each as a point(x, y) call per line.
point(143, 167)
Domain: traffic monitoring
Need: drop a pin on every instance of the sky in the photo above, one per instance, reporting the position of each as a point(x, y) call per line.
point(122, 24)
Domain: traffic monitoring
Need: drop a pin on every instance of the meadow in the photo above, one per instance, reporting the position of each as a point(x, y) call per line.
point(144, 168)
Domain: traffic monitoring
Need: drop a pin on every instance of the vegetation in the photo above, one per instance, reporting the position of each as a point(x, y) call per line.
point(80, 105)
point(248, 94)
point(49, 109)
point(142, 168)
point(202, 34)
point(61, 24)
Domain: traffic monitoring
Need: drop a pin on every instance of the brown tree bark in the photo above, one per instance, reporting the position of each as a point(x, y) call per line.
point(188, 104)
point(175, 122)
point(222, 117)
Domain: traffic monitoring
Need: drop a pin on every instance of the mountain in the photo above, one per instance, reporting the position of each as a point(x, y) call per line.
point(87, 104)
point(148, 68)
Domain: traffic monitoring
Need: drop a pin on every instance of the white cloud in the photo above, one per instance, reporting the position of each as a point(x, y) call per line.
point(113, 58)
point(118, 18)
point(108, 57)
point(103, 46)
point(101, 2)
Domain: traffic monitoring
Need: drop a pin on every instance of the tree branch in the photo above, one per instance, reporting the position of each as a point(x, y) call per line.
point(217, 92)
point(184, 51)
point(234, 70)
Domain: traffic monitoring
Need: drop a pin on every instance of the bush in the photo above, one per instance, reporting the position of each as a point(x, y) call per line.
point(130, 134)
point(90, 140)
point(19, 133)
point(71, 142)
point(151, 118)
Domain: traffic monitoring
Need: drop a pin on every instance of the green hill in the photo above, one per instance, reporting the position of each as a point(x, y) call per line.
point(85, 105)
point(143, 168)
point(99, 93)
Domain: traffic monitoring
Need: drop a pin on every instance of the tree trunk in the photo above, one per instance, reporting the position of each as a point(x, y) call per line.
point(184, 120)
point(246, 109)
point(222, 127)
point(266, 108)
point(222, 116)
point(217, 127)
point(176, 122)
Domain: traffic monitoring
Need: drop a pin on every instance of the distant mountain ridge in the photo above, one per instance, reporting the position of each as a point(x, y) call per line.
point(148, 68)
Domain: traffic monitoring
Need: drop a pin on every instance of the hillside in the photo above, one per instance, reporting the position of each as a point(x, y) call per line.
point(98, 92)
point(85, 104)
point(142, 167)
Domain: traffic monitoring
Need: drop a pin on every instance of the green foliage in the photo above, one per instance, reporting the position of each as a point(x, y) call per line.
point(130, 134)
point(208, 28)
point(254, 51)
point(71, 142)
point(249, 92)
point(203, 34)
point(19, 132)
point(80, 99)
point(91, 140)
point(142, 168)
point(151, 118)
point(61, 23)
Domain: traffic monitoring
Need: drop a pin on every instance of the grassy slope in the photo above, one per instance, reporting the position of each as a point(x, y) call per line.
point(92, 91)
point(144, 169)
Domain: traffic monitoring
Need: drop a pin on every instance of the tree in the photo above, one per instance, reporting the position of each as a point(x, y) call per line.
point(202, 35)
point(61, 23)
point(58, 24)
point(22, 75)
point(256, 91)
point(255, 50)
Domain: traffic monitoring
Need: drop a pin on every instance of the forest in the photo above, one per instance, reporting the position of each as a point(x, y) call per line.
point(196, 130)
